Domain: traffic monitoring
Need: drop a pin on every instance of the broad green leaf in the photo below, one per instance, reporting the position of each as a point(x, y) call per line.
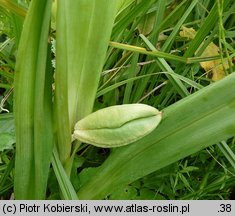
point(194, 123)
point(33, 104)
point(117, 126)
point(83, 31)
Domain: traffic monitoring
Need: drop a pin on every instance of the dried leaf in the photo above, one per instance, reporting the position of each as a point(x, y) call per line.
point(215, 68)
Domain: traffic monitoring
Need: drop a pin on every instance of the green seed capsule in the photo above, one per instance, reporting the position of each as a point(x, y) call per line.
point(117, 125)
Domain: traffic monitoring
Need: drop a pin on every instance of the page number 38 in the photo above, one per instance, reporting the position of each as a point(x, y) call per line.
point(225, 208)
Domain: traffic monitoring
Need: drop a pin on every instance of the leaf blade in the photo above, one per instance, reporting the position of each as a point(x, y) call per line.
point(175, 138)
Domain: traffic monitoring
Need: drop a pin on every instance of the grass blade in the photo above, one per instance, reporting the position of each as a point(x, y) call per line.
point(66, 187)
